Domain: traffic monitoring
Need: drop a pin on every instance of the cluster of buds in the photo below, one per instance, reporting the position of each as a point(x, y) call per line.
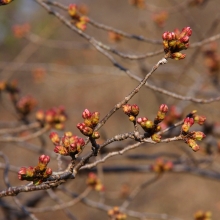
point(5, 2)
point(79, 21)
point(131, 110)
point(25, 105)
point(191, 137)
point(54, 117)
point(161, 166)
point(91, 119)
point(160, 18)
point(94, 182)
point(20, 31)
point(116, 214)
point(138, 3)
point(37, 174)
point(201, 215)
point(114, 37)
point(176, 41)
point(68, 144)
point(212, 59)
point(152, 127)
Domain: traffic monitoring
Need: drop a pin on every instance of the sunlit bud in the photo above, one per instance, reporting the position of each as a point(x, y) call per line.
point(95, 135)
point(95, 118)
point(178, 56)
point(88, 122)
point(65, 141)
point(165, 44)
point(68, 134)
point(99, 187)
point(126, 109)
point(72, 10)
point(40, 115)
point(132, 118)
point(158, 128)
point(54, 137)
point(198, 135)
point(84, 19)
point(193, 144)
point(5, 2)
point(199, 119)
point(30, 172)
point(81, 25)
point(156, 137)
point(149, 124)
point(172, 43)
point(61, 150)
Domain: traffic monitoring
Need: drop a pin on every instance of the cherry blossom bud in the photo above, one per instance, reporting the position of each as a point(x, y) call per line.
point(134, 110)
point(156, 138)
point(61, 150)
point(199, 119)
point(44, 159)
point(193, 144)
point(54, 137)
point(198, 135)
point(86, 114)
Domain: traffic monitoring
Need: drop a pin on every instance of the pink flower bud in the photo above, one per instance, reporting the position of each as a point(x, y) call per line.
point(48, 172)
point(86, 114)
point(44, 159)
point(184, 39)
point(187, 31)
point(164, 36)
point(189, 121)
point(164, 108)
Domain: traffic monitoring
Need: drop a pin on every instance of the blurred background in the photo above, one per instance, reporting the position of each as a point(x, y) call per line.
point(58, 67)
